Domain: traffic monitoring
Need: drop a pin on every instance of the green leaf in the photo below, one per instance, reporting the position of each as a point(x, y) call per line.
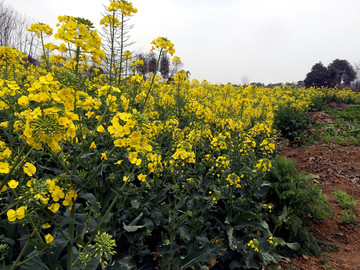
point(8, 240)
point(132, 227)
point(87, 155)
point(229, 233)
point(156, 217)
point(69, 220)
point(91, 199)
point(55, 252)
point(195, 256)
point(184, 232)
point(293, 246)
point(135, 203)
point(34, 263)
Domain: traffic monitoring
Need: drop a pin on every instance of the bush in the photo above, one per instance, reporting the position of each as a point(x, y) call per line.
point(291, 121)
point(297, 202)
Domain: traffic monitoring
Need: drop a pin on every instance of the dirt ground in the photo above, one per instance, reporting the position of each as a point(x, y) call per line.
point(335, 167)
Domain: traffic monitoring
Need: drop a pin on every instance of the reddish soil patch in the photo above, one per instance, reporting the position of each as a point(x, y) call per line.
point(337, 105)
point(322, 117)
point(335, 167)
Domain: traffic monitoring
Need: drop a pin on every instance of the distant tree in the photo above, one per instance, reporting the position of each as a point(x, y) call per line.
point(142, 69)
point(356, 84)
point(165, 66)
point(258, 84)
point(341, 73)
point(300, 84)
point(151, 60)
point(318, 76)
point(245, 80)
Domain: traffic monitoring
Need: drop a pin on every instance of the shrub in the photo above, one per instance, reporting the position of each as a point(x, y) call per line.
point(292, 122)
point(297, 202)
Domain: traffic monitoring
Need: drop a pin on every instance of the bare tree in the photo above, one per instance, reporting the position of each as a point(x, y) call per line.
point(245, 80)
point(116, 40)
point(13, 31)
point(356, 84)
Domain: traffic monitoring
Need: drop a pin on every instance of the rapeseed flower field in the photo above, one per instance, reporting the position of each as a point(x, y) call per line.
point(98, 169)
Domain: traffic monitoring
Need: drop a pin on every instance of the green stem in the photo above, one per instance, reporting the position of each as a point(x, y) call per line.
point(103, 218)
point(53, 221)
point(121, 46)
point(98, 168)
point(71, 237)
point(112, 40)
point(45, 56)
point(30, 258)
point(22, 251)
point(97, 125)
point(152, 82)
point(58, 160)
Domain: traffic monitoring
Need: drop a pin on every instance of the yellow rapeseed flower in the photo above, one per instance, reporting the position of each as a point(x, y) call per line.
point(103, 156)
point(13, 184)
point(93, 145)
point(101, 129)
point(29, 169)
point(16, 214)
point(4, 167)
point(48, 238)
point(54, 207)
point(46, 226)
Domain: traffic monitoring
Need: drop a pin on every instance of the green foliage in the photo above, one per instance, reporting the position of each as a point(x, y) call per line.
point(344, 200)
point(348, 216)
point(349, 113)
point(292, 122)
point(296, 201)
point(345, 130)
point(339, 73)
point(318, 76)
point(348, 203)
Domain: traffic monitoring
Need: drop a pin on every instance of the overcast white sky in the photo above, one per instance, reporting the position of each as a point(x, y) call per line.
point(222, 41)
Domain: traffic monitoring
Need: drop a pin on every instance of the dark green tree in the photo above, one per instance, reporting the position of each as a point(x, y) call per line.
point(142, 69)
point(151, 60)
point(165, 66)
point(318, 76)
point(341, 73)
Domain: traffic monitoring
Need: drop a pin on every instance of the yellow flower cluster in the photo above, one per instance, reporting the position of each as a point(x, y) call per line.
point(184, 153)
point(110, 20)
point(272, 241)
point(176, 59)
point(19, 213)
point(234, 180)
point(163, 43)
point(263, 165)
point(126, 7)
point(5, 154)
point(77, 33)
point(40, 29)
point(50, 192)
point(254, 244)
point(137, 63)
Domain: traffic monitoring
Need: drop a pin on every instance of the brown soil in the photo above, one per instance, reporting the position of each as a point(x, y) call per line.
point(334, 167)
